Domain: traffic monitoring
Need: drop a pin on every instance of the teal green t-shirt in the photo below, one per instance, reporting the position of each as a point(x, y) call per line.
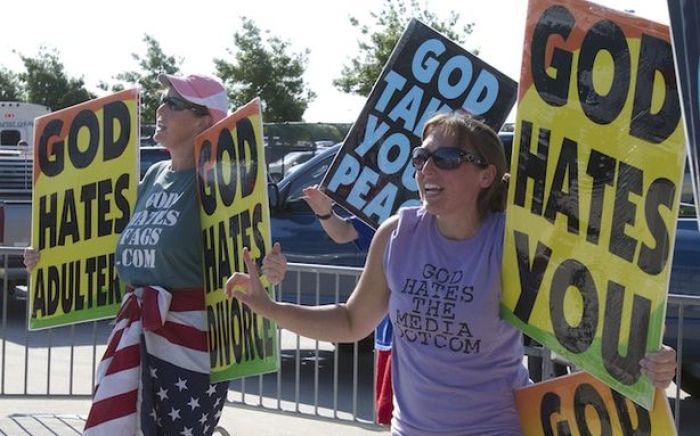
point(162, 244)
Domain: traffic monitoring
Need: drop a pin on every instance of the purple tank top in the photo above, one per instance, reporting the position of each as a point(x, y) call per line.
point(454, 363)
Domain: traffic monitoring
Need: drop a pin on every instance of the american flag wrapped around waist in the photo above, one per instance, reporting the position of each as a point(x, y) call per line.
point(154, 375)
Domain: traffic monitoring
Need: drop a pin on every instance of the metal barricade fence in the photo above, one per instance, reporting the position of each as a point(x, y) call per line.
point(323, 380)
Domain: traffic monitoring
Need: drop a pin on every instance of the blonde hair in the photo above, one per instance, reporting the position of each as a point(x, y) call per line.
point(470, 132)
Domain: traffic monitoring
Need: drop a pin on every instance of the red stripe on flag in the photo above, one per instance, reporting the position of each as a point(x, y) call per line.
point(126, 358)
point(112, 408)
point(184, 335)
point(185, 300)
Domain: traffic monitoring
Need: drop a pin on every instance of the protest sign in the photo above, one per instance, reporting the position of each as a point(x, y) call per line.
point(578, 404)
point(234, 211)
point(685, 16)
point(85, 183)
point(593, 200)
point(426, 74)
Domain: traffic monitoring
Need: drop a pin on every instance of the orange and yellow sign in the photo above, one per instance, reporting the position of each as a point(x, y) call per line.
point(234, 212)
point(85, 183)
point(594, 193)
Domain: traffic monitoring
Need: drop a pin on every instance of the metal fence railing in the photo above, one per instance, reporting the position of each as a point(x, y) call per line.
point(333, 381)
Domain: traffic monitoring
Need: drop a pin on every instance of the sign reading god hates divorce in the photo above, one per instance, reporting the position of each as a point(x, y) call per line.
point(593, 199)
point(234, 211)
point(85, 183)
point(578, 404)
point(685, 16)
point(427, 74)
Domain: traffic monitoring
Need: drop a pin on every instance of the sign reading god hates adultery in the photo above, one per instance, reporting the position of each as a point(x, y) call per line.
point(85, 182)
point(597, 162)
point(426, 74)
point(234, 211)
point(578, 404)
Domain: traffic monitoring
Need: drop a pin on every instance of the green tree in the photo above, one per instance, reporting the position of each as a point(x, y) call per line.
point(378, 41)
point(46, 82)
point(10, 86)
point(266, 70)
point(151, 64)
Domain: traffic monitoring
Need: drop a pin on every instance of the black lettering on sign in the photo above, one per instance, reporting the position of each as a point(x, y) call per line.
point(573, 274)
point(629, 180)
point(532, 166)
point(531, 273)
point(48, 220)
point(603, 36)
point(643, 419)
point(556, 20)
point(205, 181)
point(601, 168)
point(549, 406)
point(225, 147)
point(247, 165)
point(626, 368)
point(116, 117)
point(561, 201)
point(237, 334)
point(586, 396)
point(655, 127)
point(86, 119)
point(51, 164)
point(652, 260)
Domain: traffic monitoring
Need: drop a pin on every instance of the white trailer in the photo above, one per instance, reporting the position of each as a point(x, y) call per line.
point(17, 123)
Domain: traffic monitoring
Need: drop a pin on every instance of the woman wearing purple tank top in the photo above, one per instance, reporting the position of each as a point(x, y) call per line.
point(436, 271)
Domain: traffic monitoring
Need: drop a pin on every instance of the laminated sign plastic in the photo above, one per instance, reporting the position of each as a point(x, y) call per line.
point(234, 212)
point(594, 193)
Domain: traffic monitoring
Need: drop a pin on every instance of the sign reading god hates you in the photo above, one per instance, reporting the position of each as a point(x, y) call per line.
point(685, 16)
point(578, 404)
point(85, 183)
point(427, 74)
point(234, 211)
point(597, 161)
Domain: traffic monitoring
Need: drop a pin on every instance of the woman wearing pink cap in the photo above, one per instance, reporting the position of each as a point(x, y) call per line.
point(154, 376)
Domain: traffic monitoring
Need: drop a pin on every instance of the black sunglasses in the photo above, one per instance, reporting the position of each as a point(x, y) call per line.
point(445, 158)
point(179, 104)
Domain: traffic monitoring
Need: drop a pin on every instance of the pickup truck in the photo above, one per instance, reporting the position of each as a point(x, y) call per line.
point(304, 241)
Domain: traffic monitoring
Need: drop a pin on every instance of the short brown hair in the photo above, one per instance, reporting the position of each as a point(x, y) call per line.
point(470, 132)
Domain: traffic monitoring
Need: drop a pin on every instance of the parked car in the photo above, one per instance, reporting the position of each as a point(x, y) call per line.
point(281, 167)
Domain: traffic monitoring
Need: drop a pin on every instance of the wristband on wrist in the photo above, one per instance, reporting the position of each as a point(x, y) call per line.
point(324, 217)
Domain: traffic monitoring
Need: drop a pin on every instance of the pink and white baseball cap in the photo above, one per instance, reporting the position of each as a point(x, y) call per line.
point(202, 90)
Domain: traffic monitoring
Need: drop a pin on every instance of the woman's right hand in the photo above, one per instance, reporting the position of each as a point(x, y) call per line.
point(31, 258)
point(248, 289)
point(317, 200)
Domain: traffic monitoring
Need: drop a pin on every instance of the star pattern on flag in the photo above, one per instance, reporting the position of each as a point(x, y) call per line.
point(181, 384)
point(182, 402)
point(193, 403)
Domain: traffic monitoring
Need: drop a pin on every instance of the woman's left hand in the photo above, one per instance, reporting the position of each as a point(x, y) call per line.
point(274, 265)
point(660, 366)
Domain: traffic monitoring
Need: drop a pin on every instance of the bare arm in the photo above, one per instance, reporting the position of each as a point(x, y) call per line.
point(347, 322)
point(338, 229)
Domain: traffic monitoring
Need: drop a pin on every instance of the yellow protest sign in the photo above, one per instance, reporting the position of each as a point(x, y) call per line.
point(234, 211)
point(85, 183)
point(578, 404)
point(596, 169)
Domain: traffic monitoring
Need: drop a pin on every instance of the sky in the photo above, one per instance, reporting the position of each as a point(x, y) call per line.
point(96, 43)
